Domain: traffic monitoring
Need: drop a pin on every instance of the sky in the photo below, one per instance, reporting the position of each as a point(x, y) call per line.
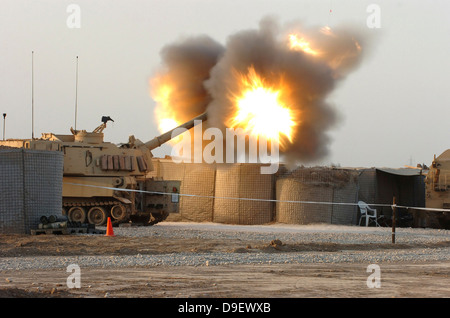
point(395, 107)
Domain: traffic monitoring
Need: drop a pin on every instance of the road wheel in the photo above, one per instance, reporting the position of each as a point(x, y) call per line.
point(158, 217)
point(77, 214)
point(97, 216)
point(118, 212)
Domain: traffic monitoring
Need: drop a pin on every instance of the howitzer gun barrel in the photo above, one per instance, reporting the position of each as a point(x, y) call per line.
point(161, 139)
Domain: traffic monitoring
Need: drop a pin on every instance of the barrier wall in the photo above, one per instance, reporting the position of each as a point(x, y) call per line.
point(225, 184)
point(30, 187)
point(326, 185)
point(243, 180)
point(196, 179)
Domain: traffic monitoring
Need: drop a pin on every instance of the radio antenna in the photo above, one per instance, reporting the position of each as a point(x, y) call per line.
point(4, 124)
point(32, 94)
point(76, 96)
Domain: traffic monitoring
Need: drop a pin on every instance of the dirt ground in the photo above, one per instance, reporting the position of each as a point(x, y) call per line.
point(430, 279)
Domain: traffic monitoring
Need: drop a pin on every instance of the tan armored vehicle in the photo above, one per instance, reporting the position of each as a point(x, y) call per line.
point(99, 175)
point(437, 195)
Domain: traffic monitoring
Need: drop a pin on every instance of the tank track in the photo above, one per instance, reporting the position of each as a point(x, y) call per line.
point(152, 219)
point(100, 203)
point(107, 205)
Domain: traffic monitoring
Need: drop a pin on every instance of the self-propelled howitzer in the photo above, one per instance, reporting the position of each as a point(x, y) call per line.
point(102, 179)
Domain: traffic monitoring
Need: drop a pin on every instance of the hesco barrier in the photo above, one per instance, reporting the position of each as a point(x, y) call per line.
point(345, 193)
point(243, 180)
point(197, 179)
point(30, 187)
point(214, 191)
point(326, 185)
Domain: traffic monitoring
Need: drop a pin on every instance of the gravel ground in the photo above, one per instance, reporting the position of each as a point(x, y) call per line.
point(422, 245)
point(288, 233)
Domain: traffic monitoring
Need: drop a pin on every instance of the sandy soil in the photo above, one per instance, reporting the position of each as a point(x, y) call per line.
point(72, 245)
point(221, 281)
point(236, 281)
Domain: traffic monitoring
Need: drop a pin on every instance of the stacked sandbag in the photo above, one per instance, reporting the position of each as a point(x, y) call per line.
point(314, 194)
point(238, 188)
point(196, 189)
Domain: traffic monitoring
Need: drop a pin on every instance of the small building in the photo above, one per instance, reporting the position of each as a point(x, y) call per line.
point(381, 185)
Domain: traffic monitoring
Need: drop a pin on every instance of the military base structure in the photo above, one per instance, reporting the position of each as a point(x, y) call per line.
point(88, 180)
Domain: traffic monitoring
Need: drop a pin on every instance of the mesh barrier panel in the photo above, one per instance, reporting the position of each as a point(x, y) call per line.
point(316, 185)
point(225, 182)
point(227, 185)
point(31, 186)
point(169, 170)
point(196, 179)
point(243, 181)
point(290, 189)
point(367, 185)
point(12, 207)
point(345, 193)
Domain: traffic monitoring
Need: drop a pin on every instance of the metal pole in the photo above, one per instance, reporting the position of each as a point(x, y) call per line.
point(394, 210)
point(32, 94)
point(4, 124)
point(76, 96)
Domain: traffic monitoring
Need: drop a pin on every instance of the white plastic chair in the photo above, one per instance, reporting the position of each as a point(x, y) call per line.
point(366, 213)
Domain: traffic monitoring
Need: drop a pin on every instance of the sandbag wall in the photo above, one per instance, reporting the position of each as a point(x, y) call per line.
point(221, 188)
point(30, 187)
point(213, 187)
point(245, 181)
point(198, 180)
point(319, 189)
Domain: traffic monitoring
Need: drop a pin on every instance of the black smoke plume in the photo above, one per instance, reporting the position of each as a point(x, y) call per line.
point(203, 75)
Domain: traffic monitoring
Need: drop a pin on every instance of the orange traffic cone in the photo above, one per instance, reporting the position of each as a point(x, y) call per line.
point(109, 229)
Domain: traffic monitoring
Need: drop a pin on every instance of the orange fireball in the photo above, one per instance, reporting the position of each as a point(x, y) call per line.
point(260, 109)
point(300, 44)
point(165, 116)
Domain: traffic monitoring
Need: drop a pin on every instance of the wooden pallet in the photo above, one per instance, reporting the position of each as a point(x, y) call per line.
point(67, 231)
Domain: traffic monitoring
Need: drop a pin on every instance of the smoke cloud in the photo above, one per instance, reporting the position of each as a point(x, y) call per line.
point(202, 75)
point(186, 66)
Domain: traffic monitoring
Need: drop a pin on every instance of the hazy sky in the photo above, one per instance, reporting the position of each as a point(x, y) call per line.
point(395, 106)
